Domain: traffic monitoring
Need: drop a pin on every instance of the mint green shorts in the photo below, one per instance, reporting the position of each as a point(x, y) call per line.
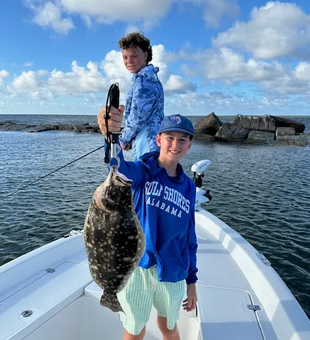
point(142, 291)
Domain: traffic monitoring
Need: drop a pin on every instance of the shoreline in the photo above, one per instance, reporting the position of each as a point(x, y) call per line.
point(13, 126)
point(257, 130)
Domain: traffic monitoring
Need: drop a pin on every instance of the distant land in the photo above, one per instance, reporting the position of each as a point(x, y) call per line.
point(243, 129)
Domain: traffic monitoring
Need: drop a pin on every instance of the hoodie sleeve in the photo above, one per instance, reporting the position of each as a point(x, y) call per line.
point(192, 246)
point(143, 98)
point(132, 170)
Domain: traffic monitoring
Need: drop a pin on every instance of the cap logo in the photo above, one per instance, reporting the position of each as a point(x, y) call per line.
point(176, 119)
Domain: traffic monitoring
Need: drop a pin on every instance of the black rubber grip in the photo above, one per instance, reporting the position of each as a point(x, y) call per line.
point(114, 95)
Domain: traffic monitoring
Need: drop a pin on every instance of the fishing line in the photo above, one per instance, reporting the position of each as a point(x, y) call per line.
point(112, 100)
point(50, 173)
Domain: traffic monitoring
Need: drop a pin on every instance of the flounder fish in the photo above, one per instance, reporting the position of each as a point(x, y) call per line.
point(113, 237)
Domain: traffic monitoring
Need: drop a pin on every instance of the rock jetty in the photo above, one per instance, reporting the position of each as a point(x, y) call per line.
point(252, 129)
point(10, 125)
point(249, 129)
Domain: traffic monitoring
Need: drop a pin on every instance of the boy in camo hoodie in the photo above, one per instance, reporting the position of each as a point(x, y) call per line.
point(144, 108)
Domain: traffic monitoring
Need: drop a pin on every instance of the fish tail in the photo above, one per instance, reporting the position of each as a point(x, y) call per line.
point(110, 301)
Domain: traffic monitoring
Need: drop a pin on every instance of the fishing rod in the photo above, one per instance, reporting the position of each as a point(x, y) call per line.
point(111, 140)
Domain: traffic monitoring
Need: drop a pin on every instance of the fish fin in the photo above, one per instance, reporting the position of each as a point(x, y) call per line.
point(110, 301)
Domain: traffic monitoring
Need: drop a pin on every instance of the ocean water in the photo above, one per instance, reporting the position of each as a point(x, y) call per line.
point(261, 191)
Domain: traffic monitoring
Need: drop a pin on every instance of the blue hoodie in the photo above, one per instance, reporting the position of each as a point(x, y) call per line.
point(165, 207)
point(144, 111)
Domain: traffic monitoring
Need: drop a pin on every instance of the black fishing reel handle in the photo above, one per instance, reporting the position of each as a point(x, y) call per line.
point(112, 137)
point(114, 101)
point(114, 95)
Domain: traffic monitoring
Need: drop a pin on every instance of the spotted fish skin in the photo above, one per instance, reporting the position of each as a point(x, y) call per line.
point(113, 237)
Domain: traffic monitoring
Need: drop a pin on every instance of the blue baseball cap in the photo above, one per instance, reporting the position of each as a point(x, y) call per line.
point(177, 123)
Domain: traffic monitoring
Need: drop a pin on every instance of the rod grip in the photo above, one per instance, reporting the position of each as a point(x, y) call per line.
point(115, 95)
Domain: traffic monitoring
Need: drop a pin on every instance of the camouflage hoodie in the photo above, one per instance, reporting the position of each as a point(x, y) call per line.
point(144, 111)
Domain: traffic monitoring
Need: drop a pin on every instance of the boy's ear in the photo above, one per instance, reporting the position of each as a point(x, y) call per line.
point(158, 140)
point(190, 144)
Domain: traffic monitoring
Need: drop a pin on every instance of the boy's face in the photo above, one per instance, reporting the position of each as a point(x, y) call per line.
point(173, 145)
point(134, 59)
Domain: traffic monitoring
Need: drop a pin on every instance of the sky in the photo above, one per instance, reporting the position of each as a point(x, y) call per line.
point(223, 56)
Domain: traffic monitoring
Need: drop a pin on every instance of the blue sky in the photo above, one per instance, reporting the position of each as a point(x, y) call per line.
point(223, 56)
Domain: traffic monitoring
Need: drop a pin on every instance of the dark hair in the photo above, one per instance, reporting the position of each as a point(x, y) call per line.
point(137, 39)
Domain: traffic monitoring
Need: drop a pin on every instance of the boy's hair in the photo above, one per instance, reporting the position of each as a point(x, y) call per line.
point(137, 39)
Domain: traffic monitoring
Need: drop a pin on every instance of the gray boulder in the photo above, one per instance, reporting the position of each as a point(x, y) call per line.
point(85, 128)
point(208, 125)
point(285, 122)
point(260, 136)
point(299, 139)
point(283, 131)
point(40, 128)
point(10, 125)
point(258, 123)
point(232, 132)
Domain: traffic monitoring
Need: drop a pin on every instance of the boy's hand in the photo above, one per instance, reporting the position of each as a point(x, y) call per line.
point(190, 302)
point(115, 120)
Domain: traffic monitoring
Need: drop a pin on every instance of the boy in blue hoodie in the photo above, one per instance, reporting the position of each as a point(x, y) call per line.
point(164, 201)
point(144, 108)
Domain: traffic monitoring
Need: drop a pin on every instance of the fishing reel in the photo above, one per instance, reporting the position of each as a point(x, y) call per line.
point(202, 196)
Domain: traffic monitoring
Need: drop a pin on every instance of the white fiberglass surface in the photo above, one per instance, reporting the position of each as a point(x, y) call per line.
point(85, 319)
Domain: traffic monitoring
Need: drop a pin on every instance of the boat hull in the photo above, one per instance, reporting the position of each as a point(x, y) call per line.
point(240, 295)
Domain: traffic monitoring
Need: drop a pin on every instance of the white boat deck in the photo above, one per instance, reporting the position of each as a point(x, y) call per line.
point(57, 287)
point(224, 294)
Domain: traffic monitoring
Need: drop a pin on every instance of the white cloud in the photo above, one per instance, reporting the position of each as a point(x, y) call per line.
point(3, 74)
point(41, 73)
point(288, 84)
point(230, 66)
point(114, 69)
point(223, 103)
point(177, 84)
point(302, 71)
point(215, 101)
point(28, 64)
point(162, 59)
point(25, 82)
point(226, 65)
point(42, 84)
point(274, 30)
point(106, 11)
point(216, 9)
point(79, 80)
point(273, 102)
point(29, 83)
point(49, 15)
point(138, 15)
